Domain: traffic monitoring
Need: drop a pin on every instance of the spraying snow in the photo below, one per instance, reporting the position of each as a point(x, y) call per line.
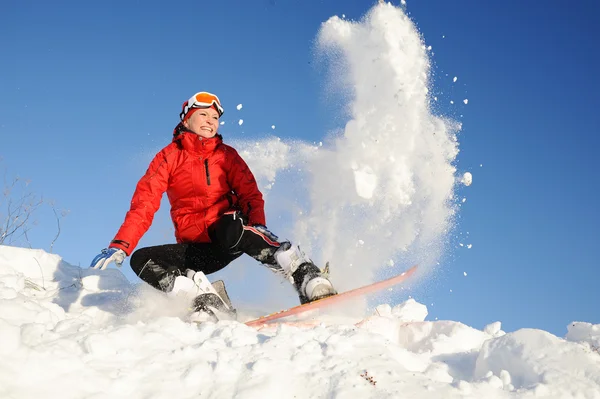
point(388, 179)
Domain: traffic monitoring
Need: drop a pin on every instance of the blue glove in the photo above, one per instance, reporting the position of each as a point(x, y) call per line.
point(108, 255)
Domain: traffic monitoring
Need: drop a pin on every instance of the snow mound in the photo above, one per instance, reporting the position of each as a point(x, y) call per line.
point(68, 332)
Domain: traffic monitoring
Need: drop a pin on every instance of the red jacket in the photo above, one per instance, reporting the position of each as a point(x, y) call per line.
point(203, 178)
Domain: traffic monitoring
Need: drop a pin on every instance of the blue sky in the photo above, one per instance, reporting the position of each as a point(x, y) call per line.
point(90, 91)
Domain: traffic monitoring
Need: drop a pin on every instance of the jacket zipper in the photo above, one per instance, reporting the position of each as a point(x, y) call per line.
point(207, 172)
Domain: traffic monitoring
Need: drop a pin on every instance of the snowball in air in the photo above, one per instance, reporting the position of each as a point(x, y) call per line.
point(239, 106)
point(467, 179)
point(241, 121)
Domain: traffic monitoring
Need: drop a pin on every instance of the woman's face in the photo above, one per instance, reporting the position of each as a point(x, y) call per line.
point(204, 122)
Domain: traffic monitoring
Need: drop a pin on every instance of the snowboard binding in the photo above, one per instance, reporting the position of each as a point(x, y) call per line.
point(213, 306)
point(208, 301)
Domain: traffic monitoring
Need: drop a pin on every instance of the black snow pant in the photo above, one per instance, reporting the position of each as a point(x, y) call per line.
point(231, 238)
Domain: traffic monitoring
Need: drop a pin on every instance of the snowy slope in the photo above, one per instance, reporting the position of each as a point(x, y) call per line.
point(67, 332)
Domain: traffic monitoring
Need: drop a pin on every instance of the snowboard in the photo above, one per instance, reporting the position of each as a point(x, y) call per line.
point(334, 299)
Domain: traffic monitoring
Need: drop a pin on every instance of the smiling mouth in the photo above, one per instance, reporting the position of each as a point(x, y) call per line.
point(208, 129)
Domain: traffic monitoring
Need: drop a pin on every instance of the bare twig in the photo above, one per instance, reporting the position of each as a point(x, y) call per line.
point(18, 214)
point(57, 226)
point(18, 207)
point(41, 273)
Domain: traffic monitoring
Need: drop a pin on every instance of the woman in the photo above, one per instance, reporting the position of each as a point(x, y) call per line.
point(218, 214)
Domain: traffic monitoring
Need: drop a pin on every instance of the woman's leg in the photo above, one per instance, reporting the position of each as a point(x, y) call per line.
point(232, 234)
point(160, 265)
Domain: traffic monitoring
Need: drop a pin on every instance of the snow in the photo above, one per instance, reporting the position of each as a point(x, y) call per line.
point(239, 107)
point(365, 180)
point(241, 122)
point(467, 179)
point(67, 332)
point(390, 176)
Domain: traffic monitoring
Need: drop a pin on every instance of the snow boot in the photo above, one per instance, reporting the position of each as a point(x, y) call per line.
point(310, 282)
point(208, 301)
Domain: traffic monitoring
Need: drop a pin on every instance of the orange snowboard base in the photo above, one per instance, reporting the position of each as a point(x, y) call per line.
point(335, 299)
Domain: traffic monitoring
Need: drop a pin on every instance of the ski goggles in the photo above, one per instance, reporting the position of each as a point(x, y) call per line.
point(202, 99)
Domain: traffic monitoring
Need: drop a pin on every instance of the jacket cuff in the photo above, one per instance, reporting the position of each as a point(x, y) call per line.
point(256, 221)
point(120, 244)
